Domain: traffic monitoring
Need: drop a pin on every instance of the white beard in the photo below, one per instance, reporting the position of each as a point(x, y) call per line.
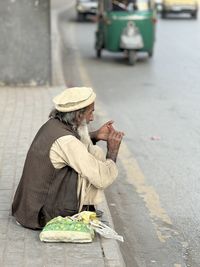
point(84, 133)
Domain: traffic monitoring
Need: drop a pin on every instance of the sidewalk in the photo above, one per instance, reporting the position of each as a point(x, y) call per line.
point(23, 111)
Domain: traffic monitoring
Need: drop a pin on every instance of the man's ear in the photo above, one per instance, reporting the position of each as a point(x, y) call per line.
point(79, 117)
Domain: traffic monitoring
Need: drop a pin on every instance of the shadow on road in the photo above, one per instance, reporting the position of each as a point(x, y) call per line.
point(179, 17)
point(120, 59)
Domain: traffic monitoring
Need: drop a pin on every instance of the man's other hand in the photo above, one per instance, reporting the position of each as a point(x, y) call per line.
point(113, 144)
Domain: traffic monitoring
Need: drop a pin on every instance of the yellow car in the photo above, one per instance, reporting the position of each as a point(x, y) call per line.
point(180, 6)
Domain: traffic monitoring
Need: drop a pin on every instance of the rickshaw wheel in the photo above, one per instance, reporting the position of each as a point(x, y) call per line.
point(150, 54)
point(98, 53)
point(131, 57)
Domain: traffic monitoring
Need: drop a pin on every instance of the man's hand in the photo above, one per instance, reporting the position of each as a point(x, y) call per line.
point(113, 144)
point(103, 132)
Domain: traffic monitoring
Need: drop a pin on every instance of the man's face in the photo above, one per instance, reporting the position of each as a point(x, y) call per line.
point(89, 114)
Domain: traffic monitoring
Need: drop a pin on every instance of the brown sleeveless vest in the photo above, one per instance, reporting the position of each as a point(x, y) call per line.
point(43, 191)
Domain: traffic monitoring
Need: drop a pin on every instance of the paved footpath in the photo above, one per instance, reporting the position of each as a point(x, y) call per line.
point(23, 111)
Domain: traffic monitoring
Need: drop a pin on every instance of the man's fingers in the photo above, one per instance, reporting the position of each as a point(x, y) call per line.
point(110, 122)
point(120, 136)
point(112, 133)
point(109, 125)
point(116, 135)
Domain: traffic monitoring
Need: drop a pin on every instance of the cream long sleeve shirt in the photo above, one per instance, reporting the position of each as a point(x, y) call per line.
point(95, 172)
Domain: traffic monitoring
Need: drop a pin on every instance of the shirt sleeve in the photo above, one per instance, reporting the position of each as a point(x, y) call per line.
point(68, 150)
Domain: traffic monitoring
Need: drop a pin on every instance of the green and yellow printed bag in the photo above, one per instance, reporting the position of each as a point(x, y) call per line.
point(65, 229)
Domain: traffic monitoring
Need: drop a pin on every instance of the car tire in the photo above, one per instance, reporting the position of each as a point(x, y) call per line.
point(194, 15)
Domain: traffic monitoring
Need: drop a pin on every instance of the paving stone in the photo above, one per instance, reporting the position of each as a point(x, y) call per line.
point(3, 228)
point(14, 231)
point(89, 250)
point(15, 246)
point(13, 259)
point(7, 171)
point(5, 195)
point(5, 206)
point(4, 214)
point(34, 253)
point(6, 184)
point(2, 247)
point(35, 262)
point(72, 262)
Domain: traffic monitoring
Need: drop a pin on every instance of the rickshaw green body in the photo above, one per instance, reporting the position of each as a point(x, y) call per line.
point(112, 24)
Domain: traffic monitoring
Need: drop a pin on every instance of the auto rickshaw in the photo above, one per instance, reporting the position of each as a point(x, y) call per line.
point(126, 25)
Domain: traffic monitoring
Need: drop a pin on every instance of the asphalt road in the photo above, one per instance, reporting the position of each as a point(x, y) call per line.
point(155, 200)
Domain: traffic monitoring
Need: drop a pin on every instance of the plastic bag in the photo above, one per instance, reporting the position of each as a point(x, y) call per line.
point(106, 231)
point(99, 227)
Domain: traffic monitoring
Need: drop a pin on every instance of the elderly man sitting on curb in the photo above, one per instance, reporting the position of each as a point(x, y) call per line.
point(65, 172)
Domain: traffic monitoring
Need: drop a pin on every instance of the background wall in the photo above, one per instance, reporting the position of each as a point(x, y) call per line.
point(25, 46)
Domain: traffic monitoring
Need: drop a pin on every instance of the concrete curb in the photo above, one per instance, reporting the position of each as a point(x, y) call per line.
point(56, 66)
point(110, 247)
